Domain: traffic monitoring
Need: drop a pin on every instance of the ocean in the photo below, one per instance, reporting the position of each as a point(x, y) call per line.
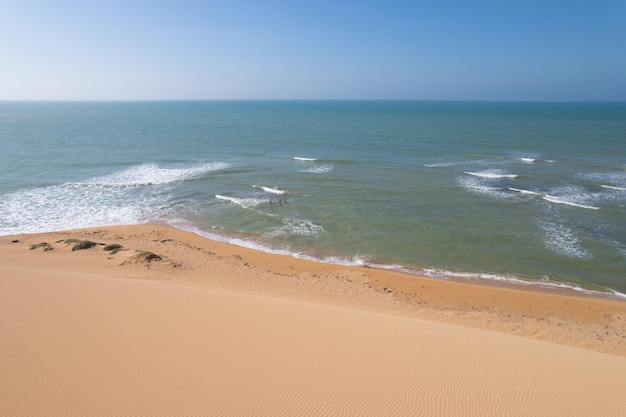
point(532, 194)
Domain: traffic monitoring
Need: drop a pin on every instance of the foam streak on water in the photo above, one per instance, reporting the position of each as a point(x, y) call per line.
point(271, 190)
point(557, 200)
point(524, 191)
point(611, 187)
point(491, 174)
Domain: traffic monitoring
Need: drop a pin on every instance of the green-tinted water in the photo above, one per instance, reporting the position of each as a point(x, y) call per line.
point(494, 190)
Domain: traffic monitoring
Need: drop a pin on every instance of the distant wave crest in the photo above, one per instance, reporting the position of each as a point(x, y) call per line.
point(320, 169)
point(243, 202)
point(522, 191)
point(491, 174)
point(271, 190)
point(441, 164)
point(557, 200)
point(611, 187)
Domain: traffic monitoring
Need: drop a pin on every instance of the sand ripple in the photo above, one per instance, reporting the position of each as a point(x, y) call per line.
point(78, 342)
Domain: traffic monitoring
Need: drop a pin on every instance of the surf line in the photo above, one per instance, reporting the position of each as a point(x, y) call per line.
point(490, 175)
point(271, 190)
point(553, 199)
point(519, 190)
point(610, 187)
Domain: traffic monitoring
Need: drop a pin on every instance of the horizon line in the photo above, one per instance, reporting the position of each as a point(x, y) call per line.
point(309, 100)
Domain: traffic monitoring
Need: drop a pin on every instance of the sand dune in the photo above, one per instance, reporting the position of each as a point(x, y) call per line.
point(89, 334)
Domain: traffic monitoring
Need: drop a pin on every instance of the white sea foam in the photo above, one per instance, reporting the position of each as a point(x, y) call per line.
point(521, 191)
point(319, 169)
point(243, 202)
point(527, 160)
point(611, 187)
point(491, 174)
point(124, 197)
point(477, 185)
point(457, 163)
point(71, 206)
point(560, 239)
point(297, 227)
point(360, 260)
point(557, 200)
point(544, 283)
point(185, 225)
point(356, 260)
point(617, 246)
point(441, 164)
point(152, 174)
point(471, 162)
point(271, 190)
point(614, 177)
point(301, 158)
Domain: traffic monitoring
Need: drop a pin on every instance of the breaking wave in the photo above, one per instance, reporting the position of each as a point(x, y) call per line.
point(521, 191)
point(128, 196)
point(611, 187)
point(491, 174)
point(243, 202)
point(152, 174)
point(557, 200)
point(271, 190)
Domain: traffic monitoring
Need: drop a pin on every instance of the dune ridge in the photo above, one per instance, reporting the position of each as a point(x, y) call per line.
point(213, 329)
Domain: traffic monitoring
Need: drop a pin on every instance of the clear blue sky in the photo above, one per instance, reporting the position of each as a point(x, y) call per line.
point(270, 49)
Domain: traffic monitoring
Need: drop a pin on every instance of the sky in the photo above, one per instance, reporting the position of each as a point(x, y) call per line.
point(512, 50)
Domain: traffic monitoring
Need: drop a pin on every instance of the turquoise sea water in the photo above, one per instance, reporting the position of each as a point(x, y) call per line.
point(524, 192)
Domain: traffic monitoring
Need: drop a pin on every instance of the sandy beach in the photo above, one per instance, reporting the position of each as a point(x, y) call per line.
point(175, 324)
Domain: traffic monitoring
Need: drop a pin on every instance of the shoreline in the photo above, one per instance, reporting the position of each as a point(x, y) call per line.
point(563, 316)
point(172, 323)
point(550, 286)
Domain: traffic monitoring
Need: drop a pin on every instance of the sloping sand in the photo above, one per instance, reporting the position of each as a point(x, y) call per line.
point(213, 329)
